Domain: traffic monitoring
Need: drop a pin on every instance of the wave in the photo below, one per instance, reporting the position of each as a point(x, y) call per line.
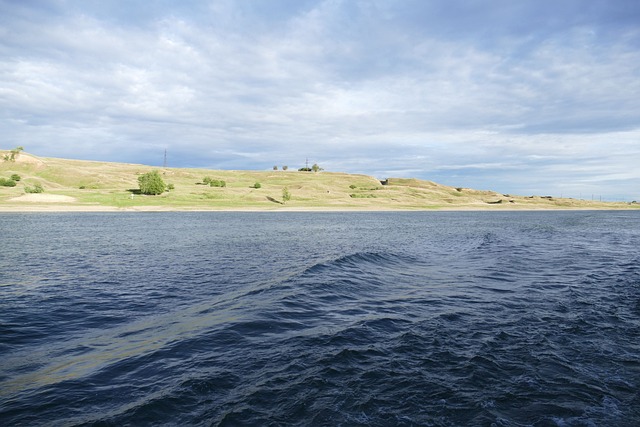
point(361, 261)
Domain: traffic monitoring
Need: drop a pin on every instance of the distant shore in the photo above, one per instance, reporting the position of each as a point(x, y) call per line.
point(65, 185)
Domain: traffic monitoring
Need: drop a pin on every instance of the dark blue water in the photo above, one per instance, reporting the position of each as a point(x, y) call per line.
point(329, 319)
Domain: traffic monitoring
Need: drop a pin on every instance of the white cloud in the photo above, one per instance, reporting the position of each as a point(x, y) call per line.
point(358, 86)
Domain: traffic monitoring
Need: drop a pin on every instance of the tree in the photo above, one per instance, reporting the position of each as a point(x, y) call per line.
point(286, 195)
point(275, 168)
point(151, 183)
point(13, 154)
point(285, 167)
point(16, 152)
point(316, 168)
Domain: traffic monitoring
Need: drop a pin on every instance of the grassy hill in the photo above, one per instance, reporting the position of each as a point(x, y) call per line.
point(90, 185)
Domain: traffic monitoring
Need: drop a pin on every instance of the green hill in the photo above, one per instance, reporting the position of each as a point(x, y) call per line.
point(90, 185)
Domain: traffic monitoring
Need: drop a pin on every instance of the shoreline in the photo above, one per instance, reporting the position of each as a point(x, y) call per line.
point(56, 208)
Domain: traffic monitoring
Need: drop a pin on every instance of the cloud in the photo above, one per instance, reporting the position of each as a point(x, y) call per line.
point(515, 97)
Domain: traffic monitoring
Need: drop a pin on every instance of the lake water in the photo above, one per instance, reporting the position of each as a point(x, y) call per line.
point(328, 319)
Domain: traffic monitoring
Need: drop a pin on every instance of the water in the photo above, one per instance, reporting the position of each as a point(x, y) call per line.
point(336, 319)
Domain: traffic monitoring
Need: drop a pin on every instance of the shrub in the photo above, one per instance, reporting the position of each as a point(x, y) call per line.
point(286, 195)
point(285, 167)
point(275, 168)
point(37, 188)
point(151, 183)
point(353, 186)
point(257, 185)
point(15, 177)
point(362, 196)
point(171, 187)
point(7, 182)
point(214, 182)
point(304, 170)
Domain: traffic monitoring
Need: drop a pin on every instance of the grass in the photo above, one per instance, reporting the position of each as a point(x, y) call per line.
point(111, 185)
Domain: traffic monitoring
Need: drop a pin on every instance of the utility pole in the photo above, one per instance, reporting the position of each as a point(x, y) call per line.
point(164, 165)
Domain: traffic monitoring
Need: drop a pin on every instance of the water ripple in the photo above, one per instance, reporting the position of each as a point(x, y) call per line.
point(430, 319)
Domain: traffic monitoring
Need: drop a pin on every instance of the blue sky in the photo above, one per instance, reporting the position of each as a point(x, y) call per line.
point(522, 97)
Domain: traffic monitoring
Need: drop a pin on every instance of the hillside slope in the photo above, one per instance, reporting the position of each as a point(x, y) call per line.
point(91, 185)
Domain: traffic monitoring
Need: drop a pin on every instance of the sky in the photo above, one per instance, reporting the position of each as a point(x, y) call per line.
point(522, 97)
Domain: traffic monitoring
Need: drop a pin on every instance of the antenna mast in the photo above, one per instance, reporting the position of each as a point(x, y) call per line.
point(164, 165)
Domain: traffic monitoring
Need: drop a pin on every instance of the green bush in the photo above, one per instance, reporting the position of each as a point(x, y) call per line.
point(286, 195)
point(353, 186)
point(7, 182)
point(214, 182)
point(37, 188)
point(362, 196)
point(15, 177)
point(257, 185)
point(171, 187)
point(151, 183)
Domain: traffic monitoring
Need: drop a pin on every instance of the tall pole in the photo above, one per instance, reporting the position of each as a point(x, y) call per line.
point(164, 165)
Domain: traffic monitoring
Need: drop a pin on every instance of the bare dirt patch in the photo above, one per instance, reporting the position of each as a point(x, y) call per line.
point(28, 159)
point(44, 198)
